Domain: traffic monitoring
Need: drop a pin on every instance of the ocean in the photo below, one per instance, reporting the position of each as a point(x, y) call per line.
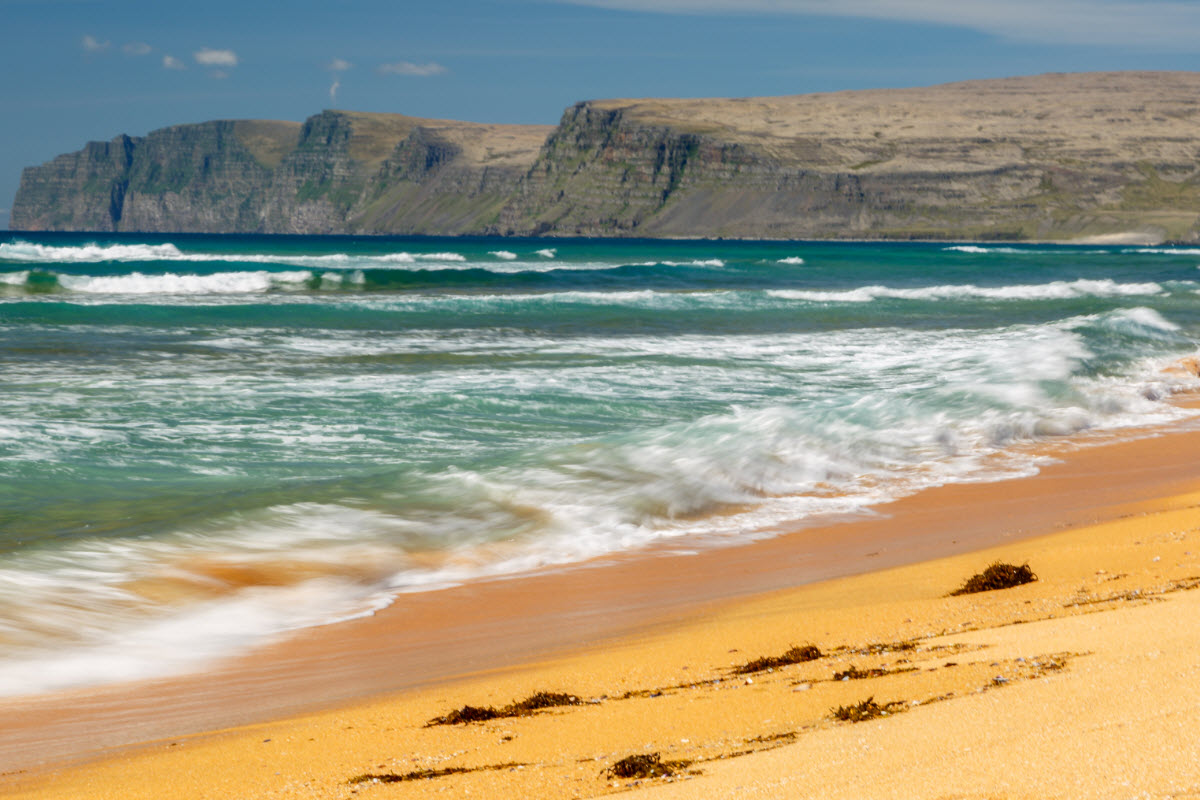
point(208, 441)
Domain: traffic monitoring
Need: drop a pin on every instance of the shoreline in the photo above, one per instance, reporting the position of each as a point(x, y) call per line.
point(499, 627)
point(1115, 238)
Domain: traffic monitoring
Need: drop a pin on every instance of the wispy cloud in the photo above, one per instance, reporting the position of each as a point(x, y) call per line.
point(91, 44)
point(411, 69)
point(336, 66)
point(208, 57)
point(136, 49)
point(1170, 23)
point(171, 62)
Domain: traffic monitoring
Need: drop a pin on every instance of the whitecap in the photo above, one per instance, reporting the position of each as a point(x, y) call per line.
point(700, 262)
point(183, 284)
point(974, 248)
point(1055, 290)
point(507, 255)
point(41, 253)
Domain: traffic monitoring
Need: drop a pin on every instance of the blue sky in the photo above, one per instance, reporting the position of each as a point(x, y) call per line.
point(78, 70)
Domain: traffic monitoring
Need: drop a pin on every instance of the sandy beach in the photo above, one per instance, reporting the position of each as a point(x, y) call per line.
point(1084, 683)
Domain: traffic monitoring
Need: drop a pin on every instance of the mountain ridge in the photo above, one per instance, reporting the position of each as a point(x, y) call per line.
point(1062, 156)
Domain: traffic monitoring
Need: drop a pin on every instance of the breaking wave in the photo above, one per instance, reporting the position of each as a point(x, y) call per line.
point(1055, 290)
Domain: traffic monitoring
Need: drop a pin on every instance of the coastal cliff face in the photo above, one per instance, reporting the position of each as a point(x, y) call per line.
point(338, 172)
point(1064, 157)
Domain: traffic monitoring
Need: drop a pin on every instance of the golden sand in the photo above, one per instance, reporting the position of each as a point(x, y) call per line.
point(1085, 683)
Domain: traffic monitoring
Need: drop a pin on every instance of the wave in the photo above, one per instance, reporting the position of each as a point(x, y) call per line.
point(974, 248)
point(292, 281)
point(1056, 290)
point(791, 260)
point(699, 262)
point(221, 283)
point(1164, 251)
point(32, 253)
point(878, 417)
point(498, 261)
point(49, 254)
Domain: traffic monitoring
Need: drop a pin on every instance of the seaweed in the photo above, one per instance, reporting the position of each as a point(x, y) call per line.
point(539, 700)
point(856, 674)
point(867, 709)
point(461, 716)
point(998, 575)
point(425, 774)
point(521, 708)
point(646, 765)
point(796, 655)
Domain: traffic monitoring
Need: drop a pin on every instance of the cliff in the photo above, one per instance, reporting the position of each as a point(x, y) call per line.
point(337, 172)
point(1048, 157)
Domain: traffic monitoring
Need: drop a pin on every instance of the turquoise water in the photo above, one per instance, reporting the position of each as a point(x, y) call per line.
point(205, 441)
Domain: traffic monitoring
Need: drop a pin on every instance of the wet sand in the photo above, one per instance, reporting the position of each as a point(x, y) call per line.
point(646, 623)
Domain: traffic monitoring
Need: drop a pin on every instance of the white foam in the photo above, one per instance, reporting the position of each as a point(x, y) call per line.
point(507, 255)
point(700, 262)
point(791, 260)
point(972, 248)
point(14, 278)
point(1145, 317)
point(137, 283)
point(1055, 290)
point(1165, 251)
point(548, 252)
point(47, 254)
point(41, 253)
point(182, 640)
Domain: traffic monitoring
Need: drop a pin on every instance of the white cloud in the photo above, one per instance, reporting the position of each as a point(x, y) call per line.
point(336, 66)
point(171, 62)
point(1172, 23)
point(215, 58)
point(409, 68)
point(136, 49)
point(91, 44)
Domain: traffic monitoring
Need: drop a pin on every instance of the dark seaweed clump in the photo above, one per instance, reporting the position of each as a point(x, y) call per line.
point(856, 674)
point(461, 716)
point(646, 765)
point(521, 708)
point(997, 576)
point(426, 774)
point(867, 709)
point(796, 655)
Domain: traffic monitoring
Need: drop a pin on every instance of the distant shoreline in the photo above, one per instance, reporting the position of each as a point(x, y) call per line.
point(1118, 239)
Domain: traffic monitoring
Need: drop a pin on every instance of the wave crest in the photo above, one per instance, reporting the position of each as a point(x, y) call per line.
point(1056, 290)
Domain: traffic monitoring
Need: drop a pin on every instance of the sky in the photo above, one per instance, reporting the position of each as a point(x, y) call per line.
point(73, 71)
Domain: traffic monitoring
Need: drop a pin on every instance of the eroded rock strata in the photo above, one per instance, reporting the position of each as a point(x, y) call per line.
point(1049, 157)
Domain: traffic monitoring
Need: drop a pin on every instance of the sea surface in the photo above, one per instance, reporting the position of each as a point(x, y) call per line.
point(209, 441)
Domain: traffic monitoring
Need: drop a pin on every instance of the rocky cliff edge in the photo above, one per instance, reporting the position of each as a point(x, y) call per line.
point(1051, 157)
